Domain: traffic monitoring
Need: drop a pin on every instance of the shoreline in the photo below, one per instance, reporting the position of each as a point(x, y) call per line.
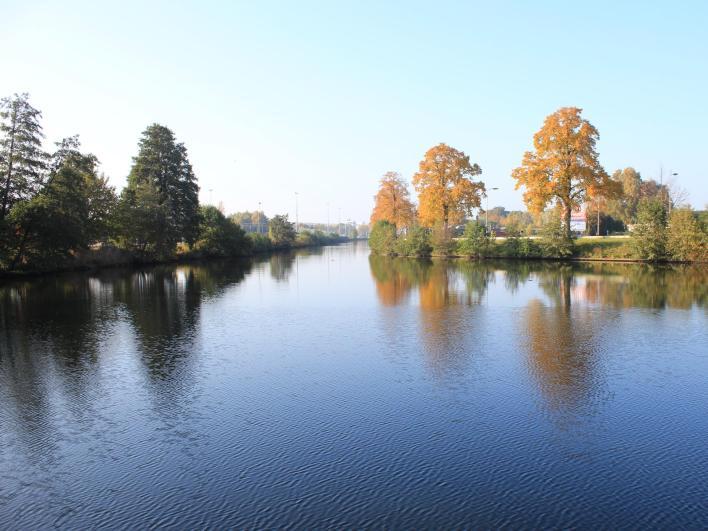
point(546, 259)
point(138, 263)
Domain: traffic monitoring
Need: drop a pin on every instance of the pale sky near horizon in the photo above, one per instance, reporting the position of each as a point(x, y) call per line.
point(322, 98)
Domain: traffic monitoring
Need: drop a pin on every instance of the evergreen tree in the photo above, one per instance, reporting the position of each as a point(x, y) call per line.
point(22, 161)
point(163, 164)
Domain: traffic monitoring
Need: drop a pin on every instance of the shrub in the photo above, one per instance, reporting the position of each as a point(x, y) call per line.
point(382, 238)
point(686, 239)
point(219, 236)
point(260, 243)
point(441, 242)
point(554, 242)
point(475, 242)
point(649, 234)
point(415, 243)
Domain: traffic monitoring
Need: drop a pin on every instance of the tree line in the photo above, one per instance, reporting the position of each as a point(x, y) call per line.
point(560, 175)
point(58, 210)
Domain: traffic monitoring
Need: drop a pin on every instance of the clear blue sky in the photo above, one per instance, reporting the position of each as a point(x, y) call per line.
point(322, 98)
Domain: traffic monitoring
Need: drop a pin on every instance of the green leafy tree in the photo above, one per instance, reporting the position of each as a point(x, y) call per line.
point(72, 210)
point(382, 238)
point(686, 239)
point(163, 164)
point(52, 224)
point(625, 206)
point(281, 231)
point(649, 234)
point(22, 161)
point(219, 236)
point(99, 195)
point(475, 242)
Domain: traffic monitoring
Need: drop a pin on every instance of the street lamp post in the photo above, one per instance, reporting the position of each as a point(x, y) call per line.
point(486, 212)
point(260, 218)
point(297, 219)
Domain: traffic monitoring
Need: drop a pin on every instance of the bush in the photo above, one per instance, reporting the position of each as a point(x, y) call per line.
point(554, 242)
point(415, 243)
point(475, 243)
point(649, 234)
point(441, 242)
point(686, 239)
point(382, 238)
point(260, 243)
point(219, 236)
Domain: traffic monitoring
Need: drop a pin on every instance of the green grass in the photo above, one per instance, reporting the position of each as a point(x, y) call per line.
point(603, 247)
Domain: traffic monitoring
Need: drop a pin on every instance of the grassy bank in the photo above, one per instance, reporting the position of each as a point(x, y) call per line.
point(110, 256)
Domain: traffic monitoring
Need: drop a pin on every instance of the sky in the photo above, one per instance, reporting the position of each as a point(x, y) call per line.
point(322, 98)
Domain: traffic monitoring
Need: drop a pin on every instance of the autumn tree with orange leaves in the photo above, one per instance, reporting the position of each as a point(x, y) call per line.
point(446, 189)
point(564, 166)
point(392, 202)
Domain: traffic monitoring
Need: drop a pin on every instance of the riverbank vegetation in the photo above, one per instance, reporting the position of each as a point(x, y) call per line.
point(58, 211)
point(560, 176)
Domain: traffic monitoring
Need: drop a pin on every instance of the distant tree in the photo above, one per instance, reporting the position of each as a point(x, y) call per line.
point(255, 221)
point(392, 202)
point(624, 207)
point(446, 190)
point(281, 231)
point(163, 163)
point(564, 166)
point(686, 239)
point(517, 222)
point(22, 161)
point(649, 234)
point(496, 215)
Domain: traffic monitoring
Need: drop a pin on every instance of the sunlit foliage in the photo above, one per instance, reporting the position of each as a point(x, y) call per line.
point(392, 202)
point(564, 168)
point(446, 190)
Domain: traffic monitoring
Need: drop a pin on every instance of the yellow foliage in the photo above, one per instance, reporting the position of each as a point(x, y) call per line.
point(446, 191)
point(564, 166)
point(392, 202)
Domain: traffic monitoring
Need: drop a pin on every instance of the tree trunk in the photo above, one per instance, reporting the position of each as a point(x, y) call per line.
point(21, 248)
point(6, 194)
point(598, 220)
point(566, 218)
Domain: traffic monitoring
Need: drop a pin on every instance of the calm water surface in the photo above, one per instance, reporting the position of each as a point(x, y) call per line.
point(335, 389)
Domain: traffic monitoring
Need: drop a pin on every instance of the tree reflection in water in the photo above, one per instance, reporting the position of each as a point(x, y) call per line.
point(54, 328)
point(444, 287)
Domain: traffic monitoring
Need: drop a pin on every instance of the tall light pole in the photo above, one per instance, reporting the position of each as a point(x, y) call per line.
point(668, 197)
point(297, 219)
point(328, 228)
point(260, 217)
point(486, 211)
